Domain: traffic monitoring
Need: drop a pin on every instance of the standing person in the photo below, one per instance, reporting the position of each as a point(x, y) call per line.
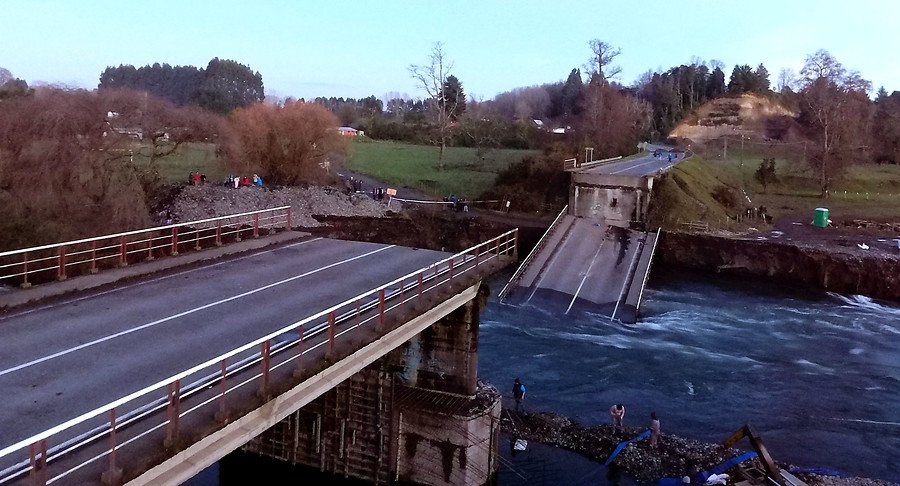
point(617, 415)
point(654, 430)
point(518, 392)
point(196, 178)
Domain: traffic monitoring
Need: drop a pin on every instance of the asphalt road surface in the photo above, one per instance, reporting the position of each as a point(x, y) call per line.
point(587, 267)
point(642, 166)
point(60, 361)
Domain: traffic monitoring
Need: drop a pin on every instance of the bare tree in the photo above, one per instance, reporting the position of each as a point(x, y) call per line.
point(835, 106)
point(431, 78)
point(787, 79)
point(601, 59)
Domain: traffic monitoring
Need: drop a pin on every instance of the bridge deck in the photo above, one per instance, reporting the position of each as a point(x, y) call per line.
point(67, 358)
point(585, 267)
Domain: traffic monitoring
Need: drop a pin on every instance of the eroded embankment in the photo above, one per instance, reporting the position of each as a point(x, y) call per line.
point(835, 269)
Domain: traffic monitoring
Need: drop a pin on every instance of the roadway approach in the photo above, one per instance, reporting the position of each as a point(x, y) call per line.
point(595, 257)
point(74, 355)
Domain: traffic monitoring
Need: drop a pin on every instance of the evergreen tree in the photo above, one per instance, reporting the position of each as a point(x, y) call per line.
point(453, 98)
point(715, 84)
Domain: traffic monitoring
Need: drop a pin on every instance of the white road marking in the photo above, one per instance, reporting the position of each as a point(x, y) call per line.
point(187, 312)
point(593, 260)
point(143, 282)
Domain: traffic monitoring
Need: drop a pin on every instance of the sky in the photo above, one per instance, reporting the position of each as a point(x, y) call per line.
point(360, 48)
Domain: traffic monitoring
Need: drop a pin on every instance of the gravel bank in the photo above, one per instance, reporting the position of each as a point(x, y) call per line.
point(671, 459)
point(199, 202)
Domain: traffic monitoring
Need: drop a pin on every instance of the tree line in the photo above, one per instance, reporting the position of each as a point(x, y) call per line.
point(222, 87)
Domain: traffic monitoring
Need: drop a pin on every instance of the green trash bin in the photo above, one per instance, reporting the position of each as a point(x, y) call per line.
point(821, 218)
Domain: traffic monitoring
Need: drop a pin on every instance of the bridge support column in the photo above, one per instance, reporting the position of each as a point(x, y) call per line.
point(415, 416)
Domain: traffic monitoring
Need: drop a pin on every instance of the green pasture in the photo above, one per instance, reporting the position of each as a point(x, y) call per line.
point(864, 191)
point(466, 173)
point(187, 158)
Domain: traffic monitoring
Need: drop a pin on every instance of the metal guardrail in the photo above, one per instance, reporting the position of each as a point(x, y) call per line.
point(534, 251)
point(572, 164)
point(59, 260)
point(211, 378)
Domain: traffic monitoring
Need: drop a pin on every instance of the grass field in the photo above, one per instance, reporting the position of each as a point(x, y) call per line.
point(865, 191)
point(189, 157)
point(466, 173)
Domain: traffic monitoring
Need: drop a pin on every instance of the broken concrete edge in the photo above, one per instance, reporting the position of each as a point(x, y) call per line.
point(35, 294)
point(189, 462)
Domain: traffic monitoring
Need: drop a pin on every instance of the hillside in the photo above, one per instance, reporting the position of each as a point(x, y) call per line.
point(729, 115)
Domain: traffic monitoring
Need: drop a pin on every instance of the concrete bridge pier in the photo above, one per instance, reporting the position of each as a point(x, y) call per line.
point(415, 416)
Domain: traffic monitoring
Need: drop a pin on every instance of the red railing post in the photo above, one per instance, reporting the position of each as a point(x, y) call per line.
point(61, 272)
point(175, 241)
point(39, 463)
point(25, 283)
point(331, 331)
point(419, 288)
point(123, 251)
point(265, 365)
point(94, 256)
point(114, 474)
point(288, 224)
point(219, 232)
point(222, 415)
point(172, 414)
point(516, 242)
point(380, 321)
point(150, 248)
point(299, 352)
point(256, 225)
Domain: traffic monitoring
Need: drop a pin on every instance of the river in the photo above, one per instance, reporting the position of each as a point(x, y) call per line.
point(816, 374)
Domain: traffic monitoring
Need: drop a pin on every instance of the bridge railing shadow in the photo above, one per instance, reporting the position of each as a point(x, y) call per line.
point(58, 261)
point(122, 439)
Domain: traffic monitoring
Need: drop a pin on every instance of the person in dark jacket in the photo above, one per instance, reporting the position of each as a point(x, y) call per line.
point(518, 392)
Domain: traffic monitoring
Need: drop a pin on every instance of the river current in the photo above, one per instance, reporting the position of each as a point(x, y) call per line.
point(816, 374)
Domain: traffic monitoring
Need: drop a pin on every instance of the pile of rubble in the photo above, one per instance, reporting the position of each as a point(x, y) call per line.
point(207, 201)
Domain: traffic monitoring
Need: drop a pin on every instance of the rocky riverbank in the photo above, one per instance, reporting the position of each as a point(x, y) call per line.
point(671, 459)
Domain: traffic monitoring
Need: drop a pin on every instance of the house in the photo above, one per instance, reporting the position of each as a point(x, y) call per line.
point(350, 131)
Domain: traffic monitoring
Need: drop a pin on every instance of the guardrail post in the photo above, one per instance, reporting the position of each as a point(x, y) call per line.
point(175, 241)
point(197, 239)
point(123, 252)
point(380, 321)
point(39, 463)
point(288, 223)
point(477, 255)
point(419, 288)
point(256, 225)
point(358, 314)
point(401, 294)
point(266, 355)
point(222, 414)
point(219, 232)
point(299, 371)
point(497, 243)
point(172, 414)
point(113, 476)
point(61, 273)
point(331, 331)
point(515, 243)
point(237, 232)
point(25, 283)
point(150, 249)
point(94, 257)
point(450, 273)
